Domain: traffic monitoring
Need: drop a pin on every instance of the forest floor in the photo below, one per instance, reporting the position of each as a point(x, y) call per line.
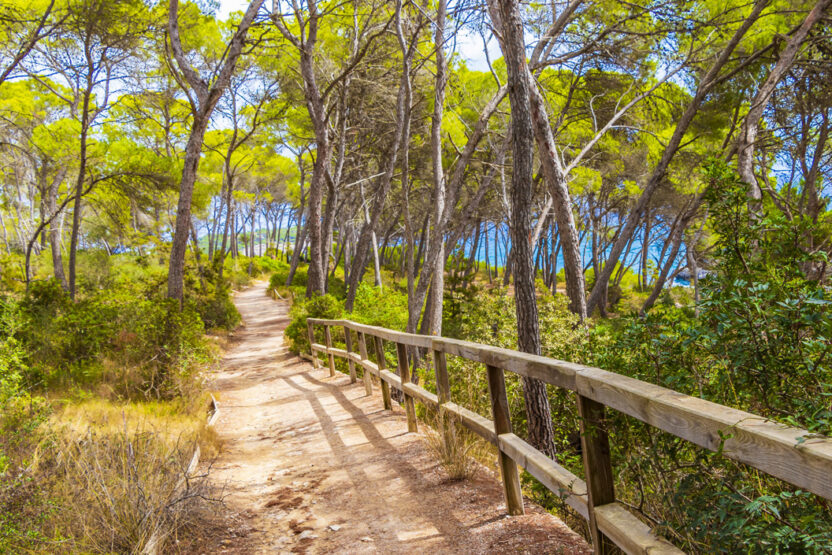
point(311, 464)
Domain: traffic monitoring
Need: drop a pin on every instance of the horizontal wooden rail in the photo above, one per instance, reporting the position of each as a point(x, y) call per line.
point(788, 453)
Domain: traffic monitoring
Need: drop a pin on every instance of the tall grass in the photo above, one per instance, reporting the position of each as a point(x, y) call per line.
point(456, 449)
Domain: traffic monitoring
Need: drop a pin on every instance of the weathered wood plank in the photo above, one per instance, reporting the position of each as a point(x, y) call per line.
point(325, 322)
point(382, 364)
point(425, 396)
point(404, 372)
point(555, 372)
point(370, 367)
point(629, 533)
point(502, 425)
point(328, 335)
point(480, 425)
point(310, 330)
point(362, 349)
point(440, 369)
point(443, 389)
point(411, 339)
point(348, 343)
point(388, 378)
point(768, 446)
point(560, 481)
point(597, 466)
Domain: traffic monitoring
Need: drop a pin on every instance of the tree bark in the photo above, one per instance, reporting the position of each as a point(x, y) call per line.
point(508, 20)
point(202, 107)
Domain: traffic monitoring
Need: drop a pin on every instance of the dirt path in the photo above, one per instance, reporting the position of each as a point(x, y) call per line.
point(310, 464)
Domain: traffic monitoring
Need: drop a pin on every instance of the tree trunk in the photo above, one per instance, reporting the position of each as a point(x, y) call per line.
point(207, 96)
point(79, 186)
point(55, 232)
point(541, 435)
point(556, 180)
point(300, 238)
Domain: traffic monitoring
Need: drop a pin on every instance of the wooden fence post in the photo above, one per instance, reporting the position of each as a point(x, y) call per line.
point(443, 391)
point(502, 425)
point(440, 368)
point(382, 364)
point(348, 342)
point(404, 373)
point(595, 445)
point(329, 346)
point(310, 329)
point(362, 349)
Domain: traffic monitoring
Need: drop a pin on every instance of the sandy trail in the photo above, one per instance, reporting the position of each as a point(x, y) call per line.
point(310, 464)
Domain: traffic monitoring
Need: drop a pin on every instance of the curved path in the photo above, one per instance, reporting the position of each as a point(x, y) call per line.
point(310, 464)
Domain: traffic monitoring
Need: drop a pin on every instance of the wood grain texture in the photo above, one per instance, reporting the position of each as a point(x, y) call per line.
point(388, 378)
point(597, 466)
point(629, 533)
point(351, 361)
point(425, 396)
point(370, 367)
point(404, 372)
point(768, 446)
point(330, 356)
point(310, 330)
point(559, 480)
point(381, 365)
point(440, 368)
point(502, 425)
point(555, 372)
point(362, 350)
point(480, 425)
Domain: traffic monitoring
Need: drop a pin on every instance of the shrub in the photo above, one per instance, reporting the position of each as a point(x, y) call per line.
point(217, 310)
point(323, 306)
point(143, 347)
point(380, 307)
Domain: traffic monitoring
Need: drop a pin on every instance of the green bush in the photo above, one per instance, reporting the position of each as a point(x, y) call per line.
point(143, 345)
point(323, 306)
point(759, 343)
point(217, 310)
point(23, 506)
point(380, 307)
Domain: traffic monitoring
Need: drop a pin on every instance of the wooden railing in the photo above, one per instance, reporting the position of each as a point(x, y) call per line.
point(788, 453)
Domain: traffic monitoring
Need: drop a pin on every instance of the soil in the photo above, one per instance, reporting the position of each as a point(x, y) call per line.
point(311, 464)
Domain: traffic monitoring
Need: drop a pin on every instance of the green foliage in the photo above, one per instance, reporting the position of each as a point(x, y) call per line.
point(321, 306)
point(380, 307)
point(22, 506)
point(217, 310)
point(760, 343)
point(121, 331)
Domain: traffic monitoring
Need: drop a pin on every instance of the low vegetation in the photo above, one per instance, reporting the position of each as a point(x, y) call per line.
point(102, 406)
point(762, 328)
point(457, 450)
point(542, 190)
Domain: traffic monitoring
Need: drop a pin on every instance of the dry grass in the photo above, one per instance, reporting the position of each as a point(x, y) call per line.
point(456, 449)
point(107, 477)
point(168, 421)
point(118, 490)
